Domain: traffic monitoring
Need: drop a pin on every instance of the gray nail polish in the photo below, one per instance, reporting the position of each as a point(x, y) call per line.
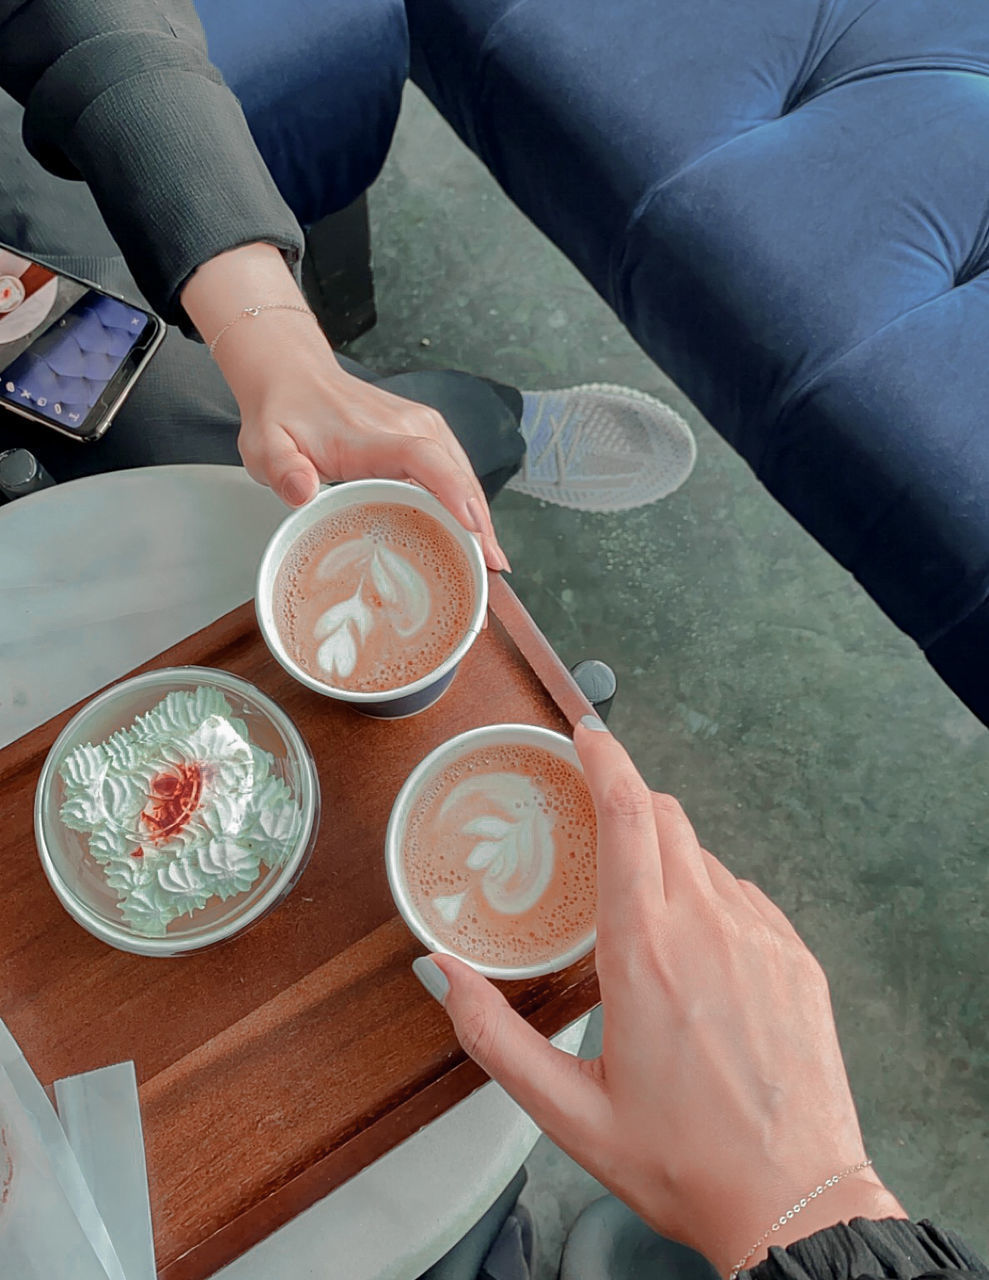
point(595, 723)
point(432, 977)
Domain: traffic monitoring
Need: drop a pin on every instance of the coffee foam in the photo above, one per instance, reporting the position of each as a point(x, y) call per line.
point(373, 597)
point(474, 855)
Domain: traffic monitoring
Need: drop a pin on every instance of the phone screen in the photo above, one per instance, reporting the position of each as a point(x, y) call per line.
point(61, 342)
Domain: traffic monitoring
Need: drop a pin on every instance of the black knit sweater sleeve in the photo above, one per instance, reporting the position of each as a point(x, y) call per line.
point(122, 94)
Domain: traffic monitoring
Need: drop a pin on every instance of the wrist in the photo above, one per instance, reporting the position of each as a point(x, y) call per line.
point(246, 304)
point(278, 353)
point(862, 1195)
point(252, 315)
point(242, 277)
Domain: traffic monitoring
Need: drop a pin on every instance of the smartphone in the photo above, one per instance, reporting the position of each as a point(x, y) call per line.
point(70, 352)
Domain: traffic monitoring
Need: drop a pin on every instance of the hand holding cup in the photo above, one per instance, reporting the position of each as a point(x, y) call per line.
point(720, 1097)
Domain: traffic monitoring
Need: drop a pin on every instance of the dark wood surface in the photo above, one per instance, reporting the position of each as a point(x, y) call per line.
point(278, 1065)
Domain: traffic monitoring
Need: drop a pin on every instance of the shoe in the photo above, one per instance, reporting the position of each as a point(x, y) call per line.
point(602, 448)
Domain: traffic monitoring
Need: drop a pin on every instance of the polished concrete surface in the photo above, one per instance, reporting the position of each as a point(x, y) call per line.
point(815, 750)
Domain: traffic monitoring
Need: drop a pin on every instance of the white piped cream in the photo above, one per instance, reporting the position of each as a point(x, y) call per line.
point(179, 809)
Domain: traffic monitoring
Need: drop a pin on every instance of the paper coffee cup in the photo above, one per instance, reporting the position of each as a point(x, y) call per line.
point(419, 781)
point(403, 700)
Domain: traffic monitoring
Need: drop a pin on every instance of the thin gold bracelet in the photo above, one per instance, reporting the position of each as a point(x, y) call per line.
point(253, 311)
point(802, 1203)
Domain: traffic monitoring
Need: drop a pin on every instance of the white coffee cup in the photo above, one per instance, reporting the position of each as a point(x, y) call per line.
point(489, 736)
point(405, 700)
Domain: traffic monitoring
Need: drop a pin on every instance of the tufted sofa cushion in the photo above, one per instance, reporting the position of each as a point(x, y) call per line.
point(320, 82)
point(787, 202)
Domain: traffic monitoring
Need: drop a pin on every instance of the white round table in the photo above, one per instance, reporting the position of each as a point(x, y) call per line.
point(100, 575)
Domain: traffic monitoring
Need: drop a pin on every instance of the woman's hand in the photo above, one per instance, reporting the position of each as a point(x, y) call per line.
point(720, 1098)
point(303, 419)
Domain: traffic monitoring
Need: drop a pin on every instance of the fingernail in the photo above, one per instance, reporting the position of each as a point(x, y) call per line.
point(432, 977)
point(504, 561)
point(595, 723)
point(297, 488)
point(476, 514)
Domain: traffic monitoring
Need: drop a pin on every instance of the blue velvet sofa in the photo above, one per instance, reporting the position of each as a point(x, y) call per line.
point(786, 202)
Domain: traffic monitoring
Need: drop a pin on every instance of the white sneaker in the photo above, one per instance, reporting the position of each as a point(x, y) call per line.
point(602, 448)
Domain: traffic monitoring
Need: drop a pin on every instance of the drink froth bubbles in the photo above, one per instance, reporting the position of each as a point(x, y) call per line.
point(492, 851)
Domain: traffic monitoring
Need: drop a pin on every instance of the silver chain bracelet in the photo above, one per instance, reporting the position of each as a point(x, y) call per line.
point(253, 311)
point(802, 1203)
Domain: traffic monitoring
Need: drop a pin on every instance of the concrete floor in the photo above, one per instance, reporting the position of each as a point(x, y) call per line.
point(815, 750)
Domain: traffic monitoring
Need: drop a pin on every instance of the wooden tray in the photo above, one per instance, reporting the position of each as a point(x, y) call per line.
point(260, 1095)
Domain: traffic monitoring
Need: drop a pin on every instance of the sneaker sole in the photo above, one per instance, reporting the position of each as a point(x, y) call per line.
point(639, 475)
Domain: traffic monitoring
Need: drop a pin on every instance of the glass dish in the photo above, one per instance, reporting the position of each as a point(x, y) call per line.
point(175, 810)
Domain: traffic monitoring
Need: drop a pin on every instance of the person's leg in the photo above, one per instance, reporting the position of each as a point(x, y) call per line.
point(181, 410)
point(592, 448)
point(497, 1247)
point(483, 415)
point(609, 1242)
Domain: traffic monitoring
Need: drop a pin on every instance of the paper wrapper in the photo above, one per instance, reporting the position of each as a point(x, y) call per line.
point(101, 1115)
point(50, 1225)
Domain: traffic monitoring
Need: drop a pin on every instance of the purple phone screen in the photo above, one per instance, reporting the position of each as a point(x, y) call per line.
point(62, 371)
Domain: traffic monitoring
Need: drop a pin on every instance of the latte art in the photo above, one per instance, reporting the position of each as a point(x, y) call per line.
point(499, 856)
point(515, 849)
point(373, 597)
point(344, 627)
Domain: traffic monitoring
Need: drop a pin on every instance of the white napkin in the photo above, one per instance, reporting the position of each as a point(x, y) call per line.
point(50, 1224)
point(101, 1116)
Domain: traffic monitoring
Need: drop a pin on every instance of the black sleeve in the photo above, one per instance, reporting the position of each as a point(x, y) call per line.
point(121, 93)
point(892, 1248)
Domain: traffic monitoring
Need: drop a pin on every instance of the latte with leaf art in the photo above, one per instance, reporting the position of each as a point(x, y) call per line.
point(180, 810)
point(373, 597)
point(499, 855)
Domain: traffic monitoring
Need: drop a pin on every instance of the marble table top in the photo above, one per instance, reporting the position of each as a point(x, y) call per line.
point(101, 574)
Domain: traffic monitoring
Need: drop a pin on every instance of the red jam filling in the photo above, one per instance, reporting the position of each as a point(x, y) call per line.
point(173, 799)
